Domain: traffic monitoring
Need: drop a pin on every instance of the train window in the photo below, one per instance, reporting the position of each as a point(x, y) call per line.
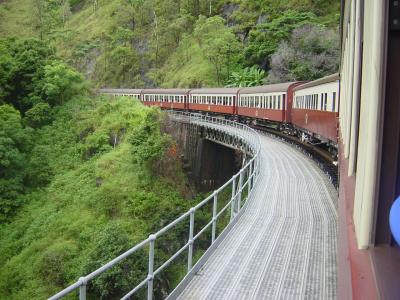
point(316, 101)
point(334, 102)
point(326, 102)
point(322, 101)
point(279, 102)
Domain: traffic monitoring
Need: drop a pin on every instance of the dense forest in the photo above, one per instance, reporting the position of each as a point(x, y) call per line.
point(83, 177)
point(183, 43)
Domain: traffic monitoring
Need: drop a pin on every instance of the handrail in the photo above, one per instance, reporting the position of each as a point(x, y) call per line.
point(252, 168)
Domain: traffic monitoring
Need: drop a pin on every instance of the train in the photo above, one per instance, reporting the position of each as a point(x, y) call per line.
point(308, 110)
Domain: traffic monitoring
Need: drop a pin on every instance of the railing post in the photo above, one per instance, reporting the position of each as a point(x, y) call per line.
point(250, 177)
point(82, 289)
point(214, 219)
point(191, 229)
point(150, 276)
point(233, 198)
point(239, 197)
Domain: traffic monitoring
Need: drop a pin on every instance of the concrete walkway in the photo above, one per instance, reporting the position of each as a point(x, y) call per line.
point(284, 245)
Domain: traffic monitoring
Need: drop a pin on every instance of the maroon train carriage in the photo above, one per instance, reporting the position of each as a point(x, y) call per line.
point(122, 92)
point(266, 102)
point(165, 98)
point(217, 100)
point(315, 109)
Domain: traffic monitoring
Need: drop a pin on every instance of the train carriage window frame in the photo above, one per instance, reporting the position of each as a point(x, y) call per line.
point(334, 102)
point(279, 102)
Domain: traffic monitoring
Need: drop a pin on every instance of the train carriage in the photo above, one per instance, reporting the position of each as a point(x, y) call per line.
point(267, 102)
point(315, 108)
point(165, 98)
point(218, 100)
point(123, 92)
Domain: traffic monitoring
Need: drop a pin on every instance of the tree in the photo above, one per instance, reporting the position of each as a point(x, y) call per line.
point(13, 148)
point(60, 83)
point(265, 38)
point(246, 77)
point(39, 115)
point(219, 45)
point(29, 56)
point(312, 52)
point(7, 66)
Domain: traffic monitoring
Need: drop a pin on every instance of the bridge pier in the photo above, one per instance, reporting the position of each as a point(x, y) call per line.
point(208, 164)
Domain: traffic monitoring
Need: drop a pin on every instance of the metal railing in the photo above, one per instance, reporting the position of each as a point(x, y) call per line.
point(241, 183)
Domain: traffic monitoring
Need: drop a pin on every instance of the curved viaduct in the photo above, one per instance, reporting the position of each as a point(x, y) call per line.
point(279, 244)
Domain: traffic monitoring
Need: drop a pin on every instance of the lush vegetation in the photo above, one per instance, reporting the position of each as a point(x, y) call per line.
point(82, 180)
point(185, 43)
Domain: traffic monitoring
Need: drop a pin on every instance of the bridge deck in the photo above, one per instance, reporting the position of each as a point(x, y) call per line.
point(284, 245)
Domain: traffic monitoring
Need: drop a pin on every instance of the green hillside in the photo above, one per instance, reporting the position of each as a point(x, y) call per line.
point(137, 43)
point(84, 177)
